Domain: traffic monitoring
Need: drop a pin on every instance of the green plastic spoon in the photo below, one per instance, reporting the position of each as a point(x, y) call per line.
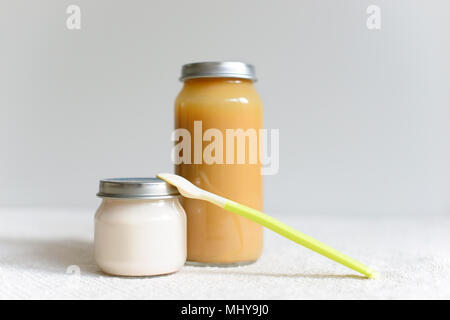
point(189, 190)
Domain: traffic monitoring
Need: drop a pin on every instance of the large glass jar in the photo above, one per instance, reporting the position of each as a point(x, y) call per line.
point(216, 97)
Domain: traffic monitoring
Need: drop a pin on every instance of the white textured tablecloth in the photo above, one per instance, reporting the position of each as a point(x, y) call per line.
point(48, 254)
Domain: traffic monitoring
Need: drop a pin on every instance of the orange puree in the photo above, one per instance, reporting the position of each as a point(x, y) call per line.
point(216, 236)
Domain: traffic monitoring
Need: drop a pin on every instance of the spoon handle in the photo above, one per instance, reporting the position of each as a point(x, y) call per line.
point(298, 237)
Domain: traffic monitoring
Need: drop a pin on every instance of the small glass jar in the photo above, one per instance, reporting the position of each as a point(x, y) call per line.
point(140, 228)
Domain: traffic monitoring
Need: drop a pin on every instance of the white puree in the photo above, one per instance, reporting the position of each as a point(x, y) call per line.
point(140, 237)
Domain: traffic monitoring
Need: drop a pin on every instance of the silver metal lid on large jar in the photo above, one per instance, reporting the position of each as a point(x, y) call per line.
point(136, 188)
point(225, 69)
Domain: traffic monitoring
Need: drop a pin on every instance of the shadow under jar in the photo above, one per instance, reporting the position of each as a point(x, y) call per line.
point(221, 95)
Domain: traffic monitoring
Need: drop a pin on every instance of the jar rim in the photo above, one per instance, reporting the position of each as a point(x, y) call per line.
point(218, 69)
point(136, 188)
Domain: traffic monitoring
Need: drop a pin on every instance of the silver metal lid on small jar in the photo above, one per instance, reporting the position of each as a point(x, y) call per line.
point(225, 69)
point(136, 188)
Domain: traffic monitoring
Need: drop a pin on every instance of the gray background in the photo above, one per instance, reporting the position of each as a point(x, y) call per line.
point(363, 115)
